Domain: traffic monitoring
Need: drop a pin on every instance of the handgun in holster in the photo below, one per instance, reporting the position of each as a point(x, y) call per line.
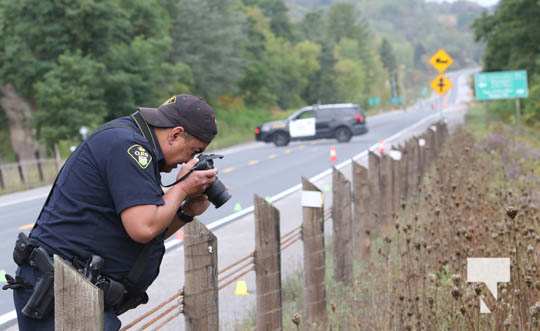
point(41, 302)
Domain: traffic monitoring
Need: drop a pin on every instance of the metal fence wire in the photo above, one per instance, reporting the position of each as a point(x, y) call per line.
point(170, 308)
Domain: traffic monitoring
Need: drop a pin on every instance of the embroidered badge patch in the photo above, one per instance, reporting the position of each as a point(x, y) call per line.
point(140, 155)
point(169, 101)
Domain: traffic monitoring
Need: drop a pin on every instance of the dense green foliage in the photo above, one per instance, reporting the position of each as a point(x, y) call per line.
point(84, 62)
point(414, 29)
point(512, 37)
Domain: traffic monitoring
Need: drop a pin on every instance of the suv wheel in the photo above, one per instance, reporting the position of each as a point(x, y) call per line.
point(343, 135)
point(280, 139)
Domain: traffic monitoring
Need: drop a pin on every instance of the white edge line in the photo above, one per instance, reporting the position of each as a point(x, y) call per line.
point(8, 317)
point(225, 151)
point(23, 200)
point(173, 243)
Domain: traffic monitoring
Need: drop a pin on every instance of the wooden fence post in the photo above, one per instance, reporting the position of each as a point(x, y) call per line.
point(342, 221)
point(374, 165)
point(421, 145)
point(396, 181)
point(412, 168)
point(406, 151)
point(78, 304)
point(57, 158)
point(386, 189)
point(19, 167)
point(445, 132)
point(314, 260)
point(2, 184)
point(201, 309)
point(361, 220)
point(267, 266)
point(435, 137)
point(39, 166)
point(430, 148)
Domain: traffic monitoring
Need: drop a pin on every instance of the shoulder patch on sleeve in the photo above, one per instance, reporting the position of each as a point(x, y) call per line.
point(140, 155)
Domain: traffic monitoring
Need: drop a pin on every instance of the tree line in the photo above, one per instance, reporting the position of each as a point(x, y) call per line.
point(512, 37)
point(67, 64)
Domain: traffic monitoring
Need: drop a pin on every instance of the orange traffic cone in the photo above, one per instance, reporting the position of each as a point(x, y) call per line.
point(333, 155)
point(381, 148)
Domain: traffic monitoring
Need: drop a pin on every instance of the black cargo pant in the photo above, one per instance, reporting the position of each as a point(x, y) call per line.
point(21, 296)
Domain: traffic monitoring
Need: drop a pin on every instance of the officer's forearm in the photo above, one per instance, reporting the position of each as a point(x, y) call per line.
point(143, 223)
point(175, 226)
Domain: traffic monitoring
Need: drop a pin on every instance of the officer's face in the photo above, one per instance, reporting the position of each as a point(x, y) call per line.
point(182, 147)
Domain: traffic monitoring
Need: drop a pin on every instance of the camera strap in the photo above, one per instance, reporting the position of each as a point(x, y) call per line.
point(147, 133)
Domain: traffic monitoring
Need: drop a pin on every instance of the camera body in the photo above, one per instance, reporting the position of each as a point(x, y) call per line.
point(217, 192)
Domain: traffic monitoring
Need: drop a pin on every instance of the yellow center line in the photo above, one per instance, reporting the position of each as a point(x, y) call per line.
point(253, 162)
point(26, 226)
point(227, 170)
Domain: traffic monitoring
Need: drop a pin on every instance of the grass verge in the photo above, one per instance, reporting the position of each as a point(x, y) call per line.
point(480, 198)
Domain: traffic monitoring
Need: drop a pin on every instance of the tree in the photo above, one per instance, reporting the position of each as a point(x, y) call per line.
point(278, 71)
point(41, 41)
point(276, 11)
point(350, 81)
point(512, 37)
point(511, 34)
point(390, 64)
point(208, 37)
point(70, 96)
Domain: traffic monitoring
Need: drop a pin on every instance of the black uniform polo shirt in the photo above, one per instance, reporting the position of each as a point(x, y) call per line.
point(114, 169)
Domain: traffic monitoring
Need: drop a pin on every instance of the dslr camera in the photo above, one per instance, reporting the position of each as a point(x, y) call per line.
point(217, 192)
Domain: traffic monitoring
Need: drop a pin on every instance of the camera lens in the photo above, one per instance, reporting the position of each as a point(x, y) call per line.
point(217, 193)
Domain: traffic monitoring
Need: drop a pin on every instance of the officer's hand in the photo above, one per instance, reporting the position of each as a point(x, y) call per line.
point(195, 206)
point(186, 167)
point(198, 181)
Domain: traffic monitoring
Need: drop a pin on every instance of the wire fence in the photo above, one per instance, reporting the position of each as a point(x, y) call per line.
point(170, 308)
point(358, 207)
point(25, 174)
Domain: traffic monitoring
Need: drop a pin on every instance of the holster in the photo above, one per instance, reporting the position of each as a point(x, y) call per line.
point(41, 302)
point(131, 301)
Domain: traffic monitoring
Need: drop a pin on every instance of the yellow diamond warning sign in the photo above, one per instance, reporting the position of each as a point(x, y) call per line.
point(441, 84)
point(441, 60)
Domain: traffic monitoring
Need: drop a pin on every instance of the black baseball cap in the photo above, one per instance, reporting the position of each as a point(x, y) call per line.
point(188, 111)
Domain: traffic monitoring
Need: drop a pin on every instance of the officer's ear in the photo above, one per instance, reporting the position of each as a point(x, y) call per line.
point(176, 134)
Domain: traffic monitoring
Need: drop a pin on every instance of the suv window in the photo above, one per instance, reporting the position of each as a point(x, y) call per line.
point(304, 115)
point(346, 111)
point(324, 114)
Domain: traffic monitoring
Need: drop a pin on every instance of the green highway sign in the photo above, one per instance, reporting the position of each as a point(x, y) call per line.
point(396, 100)
point(374, 101)
point(501, 85)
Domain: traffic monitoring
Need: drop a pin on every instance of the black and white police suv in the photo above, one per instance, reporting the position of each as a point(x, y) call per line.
point(339, 121)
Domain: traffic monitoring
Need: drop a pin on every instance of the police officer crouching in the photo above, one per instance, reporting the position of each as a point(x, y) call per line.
point(107, 213)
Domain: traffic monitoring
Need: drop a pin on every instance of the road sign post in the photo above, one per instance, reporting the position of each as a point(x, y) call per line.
point(441, 60)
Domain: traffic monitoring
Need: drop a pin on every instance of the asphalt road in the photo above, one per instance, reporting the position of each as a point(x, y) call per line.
point(253, 168)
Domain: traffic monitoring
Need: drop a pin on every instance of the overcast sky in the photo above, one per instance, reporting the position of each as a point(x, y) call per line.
point(482, 2)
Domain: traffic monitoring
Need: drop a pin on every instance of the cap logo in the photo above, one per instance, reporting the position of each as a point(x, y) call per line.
point(169, 101)
point(140, 155)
